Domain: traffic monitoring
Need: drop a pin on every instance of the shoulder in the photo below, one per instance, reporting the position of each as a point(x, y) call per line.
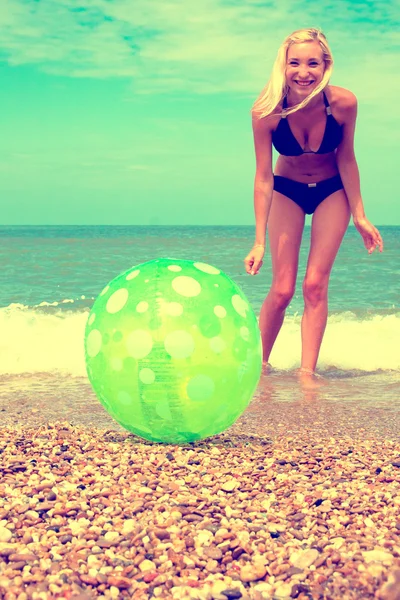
point(343, 102)
point(265, 124)
point(341, 97)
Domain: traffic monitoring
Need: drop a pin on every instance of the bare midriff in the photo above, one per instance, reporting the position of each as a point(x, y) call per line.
point(307, 168)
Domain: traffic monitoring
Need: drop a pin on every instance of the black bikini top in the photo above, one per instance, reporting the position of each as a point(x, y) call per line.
point(285, 142)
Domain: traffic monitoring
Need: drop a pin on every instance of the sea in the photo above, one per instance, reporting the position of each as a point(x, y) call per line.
point(51, 275)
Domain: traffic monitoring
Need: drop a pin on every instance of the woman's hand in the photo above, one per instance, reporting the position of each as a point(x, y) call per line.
point(253, 260)
point(369, 233)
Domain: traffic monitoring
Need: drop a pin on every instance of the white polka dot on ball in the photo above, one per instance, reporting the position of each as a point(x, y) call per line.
point(186, 286)
point(132, 275)
point(147, 376)
point(116, 364)
point(217, 345)
point(163, 410)
point(124, 398)
point(105, 290)
point(244, 333)
point(179, 344)
point(240, 305)
point(142, 307)
point(93, 343)
point(175, 268)
point(117, 301)
point(139, 343)
point(174, 309)
point(220, 312)
point(206, 268)
point(91, 319)
point(200, 388)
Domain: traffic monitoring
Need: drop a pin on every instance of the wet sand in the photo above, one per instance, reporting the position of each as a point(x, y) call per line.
point(280, 405)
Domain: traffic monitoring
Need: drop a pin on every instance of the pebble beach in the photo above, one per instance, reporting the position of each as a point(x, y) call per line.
point(304, 507)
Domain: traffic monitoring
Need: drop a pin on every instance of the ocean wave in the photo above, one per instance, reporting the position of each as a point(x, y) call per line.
point(49, 338)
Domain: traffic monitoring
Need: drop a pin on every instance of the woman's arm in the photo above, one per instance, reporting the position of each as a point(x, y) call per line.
point(348, 169)
point(264, 178)
point(346, 159)
point(263, 186)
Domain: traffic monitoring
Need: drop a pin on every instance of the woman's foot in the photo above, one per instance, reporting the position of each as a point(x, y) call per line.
point(309, 378)
point(266, 368)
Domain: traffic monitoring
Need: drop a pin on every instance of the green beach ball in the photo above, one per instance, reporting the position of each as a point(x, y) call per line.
point(173, 350)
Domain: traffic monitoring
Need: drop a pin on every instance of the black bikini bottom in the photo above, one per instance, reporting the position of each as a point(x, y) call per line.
point(307, 195)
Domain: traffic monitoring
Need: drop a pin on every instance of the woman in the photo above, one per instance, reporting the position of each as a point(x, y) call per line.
point(311, 124)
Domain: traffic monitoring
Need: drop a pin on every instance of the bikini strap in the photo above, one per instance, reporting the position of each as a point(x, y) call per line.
point(284, 105)
point(328, 107)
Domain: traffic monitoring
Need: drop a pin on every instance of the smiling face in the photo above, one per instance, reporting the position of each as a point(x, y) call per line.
point(305, 67)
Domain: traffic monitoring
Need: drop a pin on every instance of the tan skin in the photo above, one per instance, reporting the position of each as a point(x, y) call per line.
point(285, 219)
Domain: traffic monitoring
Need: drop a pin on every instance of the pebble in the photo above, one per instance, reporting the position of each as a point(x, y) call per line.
point(336, 543)
point(5, 534)
point(219, 591)
point(263, 590)
point(377, 555)
point(229, 486)
point(283, 591)
point(252, 572)
point(390, 590)
point(147, 565)
point(98, 513)
point(121, 583)
point(304, 558)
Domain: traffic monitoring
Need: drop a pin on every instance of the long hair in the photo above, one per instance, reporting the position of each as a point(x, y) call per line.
point(276, 88)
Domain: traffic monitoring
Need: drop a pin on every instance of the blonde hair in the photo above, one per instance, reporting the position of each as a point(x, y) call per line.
point(276, 88)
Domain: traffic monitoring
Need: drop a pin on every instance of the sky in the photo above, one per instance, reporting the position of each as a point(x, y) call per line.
point(138, 111)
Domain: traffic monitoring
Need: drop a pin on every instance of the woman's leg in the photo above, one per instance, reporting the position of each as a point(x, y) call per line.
point(285, 228)
point(329, 225)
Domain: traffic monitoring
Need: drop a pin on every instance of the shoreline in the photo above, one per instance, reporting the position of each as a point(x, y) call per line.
point(280, 405)
point(93, 513)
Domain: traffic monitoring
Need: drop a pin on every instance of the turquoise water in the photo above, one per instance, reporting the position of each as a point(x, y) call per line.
point(51, 275)
point(51, 264)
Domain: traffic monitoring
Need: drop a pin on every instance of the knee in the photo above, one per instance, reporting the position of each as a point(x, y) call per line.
point(282, 294)
point(315, 288)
